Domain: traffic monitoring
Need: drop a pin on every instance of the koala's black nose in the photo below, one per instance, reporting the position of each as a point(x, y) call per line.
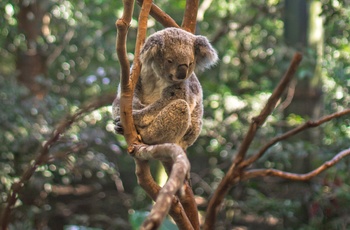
point(181, 71)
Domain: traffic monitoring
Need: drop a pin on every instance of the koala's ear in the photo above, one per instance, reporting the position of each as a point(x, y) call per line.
point(151, 48)
point(205, 54)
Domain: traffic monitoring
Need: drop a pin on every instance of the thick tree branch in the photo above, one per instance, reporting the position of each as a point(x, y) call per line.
point(147, 182)
point(294, 176)
point(180, 168)
point(126, 117)
point(306, 125)
point(236, 169)
point(162, 17)
point(189, 20)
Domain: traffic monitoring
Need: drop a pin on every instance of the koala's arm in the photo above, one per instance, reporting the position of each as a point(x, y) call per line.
point(195, 128)
point(145, 116)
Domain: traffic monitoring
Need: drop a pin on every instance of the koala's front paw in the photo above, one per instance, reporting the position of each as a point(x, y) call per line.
point(118, 126)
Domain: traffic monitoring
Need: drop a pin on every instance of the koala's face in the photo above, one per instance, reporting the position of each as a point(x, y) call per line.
point(173, 54)
point(175, 64)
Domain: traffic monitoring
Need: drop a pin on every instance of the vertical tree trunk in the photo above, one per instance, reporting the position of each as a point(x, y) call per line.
point(303, 31)
point(31, 62)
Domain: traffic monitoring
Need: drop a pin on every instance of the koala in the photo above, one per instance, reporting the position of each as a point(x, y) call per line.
point(167, 101)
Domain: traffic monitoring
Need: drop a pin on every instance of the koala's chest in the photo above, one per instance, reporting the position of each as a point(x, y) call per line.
point(152, 90)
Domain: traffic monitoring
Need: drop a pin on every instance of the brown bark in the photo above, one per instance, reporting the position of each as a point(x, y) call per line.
point(189, 20)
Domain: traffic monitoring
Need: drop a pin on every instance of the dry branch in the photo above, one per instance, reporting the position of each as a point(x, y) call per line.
point(294, 176)
point(266, 111)
point(306, 125)
point(236, 169)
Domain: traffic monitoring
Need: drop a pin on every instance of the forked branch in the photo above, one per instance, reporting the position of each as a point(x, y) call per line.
point(306, 125)
point(236, 168)
point(180, 167)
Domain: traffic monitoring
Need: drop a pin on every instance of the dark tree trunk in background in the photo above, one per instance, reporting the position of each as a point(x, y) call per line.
point(304, 32)
point(31, 62)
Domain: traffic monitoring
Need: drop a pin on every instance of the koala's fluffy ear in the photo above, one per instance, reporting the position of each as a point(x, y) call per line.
point(151, 48)
point(205, 54)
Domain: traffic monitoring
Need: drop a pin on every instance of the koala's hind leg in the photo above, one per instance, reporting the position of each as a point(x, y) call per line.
point(170, 124)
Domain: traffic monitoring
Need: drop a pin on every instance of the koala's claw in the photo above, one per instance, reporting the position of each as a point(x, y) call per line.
point(118, 126)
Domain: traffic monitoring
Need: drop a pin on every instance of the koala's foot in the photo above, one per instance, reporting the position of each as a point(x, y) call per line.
point(118, 126)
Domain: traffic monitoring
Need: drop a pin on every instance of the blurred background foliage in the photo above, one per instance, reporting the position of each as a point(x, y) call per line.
point(57, 55)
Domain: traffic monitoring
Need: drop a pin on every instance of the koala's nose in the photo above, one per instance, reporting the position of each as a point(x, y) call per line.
point(181, 71)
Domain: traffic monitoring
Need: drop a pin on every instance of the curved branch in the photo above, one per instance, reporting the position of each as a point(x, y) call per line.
point(306, 125)
point(146, 181)
point(294, 176)
point(180, 168)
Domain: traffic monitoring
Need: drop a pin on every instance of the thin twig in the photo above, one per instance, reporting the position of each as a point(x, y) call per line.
point(306, 125)
point(294, 176)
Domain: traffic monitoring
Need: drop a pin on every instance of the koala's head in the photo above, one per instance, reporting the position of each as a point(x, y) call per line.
point(173, 54)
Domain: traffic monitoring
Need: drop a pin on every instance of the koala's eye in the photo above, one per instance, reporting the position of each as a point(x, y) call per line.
point(170, 61)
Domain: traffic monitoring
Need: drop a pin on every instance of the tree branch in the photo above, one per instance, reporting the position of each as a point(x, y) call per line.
point(294, 176)
point(306, 125)
point(146, 181)
point(126, 117)
point(180, 168)
point(189, 20)
point(160, 16)
point(236, 169)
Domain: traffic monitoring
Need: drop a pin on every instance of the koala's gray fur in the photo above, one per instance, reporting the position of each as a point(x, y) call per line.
point(167, 103)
